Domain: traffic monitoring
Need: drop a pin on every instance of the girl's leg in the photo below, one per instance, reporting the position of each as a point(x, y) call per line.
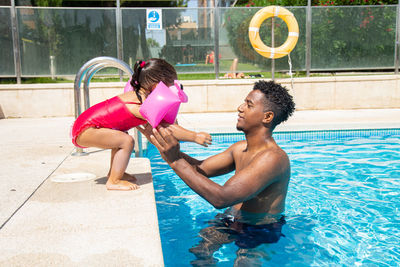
point(126, 176)
point(112, 139)
point(113, 151)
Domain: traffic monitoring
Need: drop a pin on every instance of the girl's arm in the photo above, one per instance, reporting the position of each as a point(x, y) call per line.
point(183, 134)
point(133, 108)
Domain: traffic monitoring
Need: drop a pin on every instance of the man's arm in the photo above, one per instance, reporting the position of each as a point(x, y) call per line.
point(216, 165)
point(244, 185)
point(213, 166)
point(263, 170)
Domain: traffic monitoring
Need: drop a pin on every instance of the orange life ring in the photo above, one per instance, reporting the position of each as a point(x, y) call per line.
point(254, 35)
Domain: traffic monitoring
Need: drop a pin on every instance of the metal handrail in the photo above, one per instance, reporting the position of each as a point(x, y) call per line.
point(88, 70)
point(88, 77)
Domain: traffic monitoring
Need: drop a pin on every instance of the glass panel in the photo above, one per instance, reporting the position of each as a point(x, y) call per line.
point(185, 41)
point(234, 41)
point(134, 35)
point(7, 67)
point(343, 38)
point(64, 38)
point(353, 37)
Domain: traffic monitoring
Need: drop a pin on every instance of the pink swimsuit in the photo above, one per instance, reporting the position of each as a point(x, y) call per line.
point(112, 114)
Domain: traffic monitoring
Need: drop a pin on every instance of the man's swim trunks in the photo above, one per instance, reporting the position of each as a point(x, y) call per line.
point(244, 235)
point(251, 236)
point(112, 114)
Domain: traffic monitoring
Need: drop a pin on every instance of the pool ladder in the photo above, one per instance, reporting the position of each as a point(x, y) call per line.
point(87, 71)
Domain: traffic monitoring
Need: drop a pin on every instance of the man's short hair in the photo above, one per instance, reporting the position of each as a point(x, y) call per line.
point(278, 100)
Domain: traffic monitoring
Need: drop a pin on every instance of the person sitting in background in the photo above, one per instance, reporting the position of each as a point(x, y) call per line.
point(210, 57)
point(188, 54)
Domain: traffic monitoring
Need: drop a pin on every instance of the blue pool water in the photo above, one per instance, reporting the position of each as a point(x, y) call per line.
point(342, 208)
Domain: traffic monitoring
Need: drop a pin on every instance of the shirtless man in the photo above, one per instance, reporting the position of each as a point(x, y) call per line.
point(256, 193)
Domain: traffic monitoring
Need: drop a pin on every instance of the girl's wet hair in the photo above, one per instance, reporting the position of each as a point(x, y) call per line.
point(147, 74)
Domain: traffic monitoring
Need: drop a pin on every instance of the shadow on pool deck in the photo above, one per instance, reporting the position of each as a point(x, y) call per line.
point(51, 223)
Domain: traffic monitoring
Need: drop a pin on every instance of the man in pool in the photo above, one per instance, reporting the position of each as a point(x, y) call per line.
point(255, 194)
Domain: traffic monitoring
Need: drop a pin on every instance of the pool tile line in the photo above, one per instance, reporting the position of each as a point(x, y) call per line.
point(316, 134)
point(313, 135)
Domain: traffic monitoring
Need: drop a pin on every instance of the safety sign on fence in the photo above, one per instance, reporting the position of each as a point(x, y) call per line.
point(154, 19)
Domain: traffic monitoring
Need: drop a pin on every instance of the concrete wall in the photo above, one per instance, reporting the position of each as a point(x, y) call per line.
point(320, 93)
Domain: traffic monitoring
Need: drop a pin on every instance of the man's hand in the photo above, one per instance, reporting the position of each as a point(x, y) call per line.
point(146, 130)
point(203, 139)
point(166, 143)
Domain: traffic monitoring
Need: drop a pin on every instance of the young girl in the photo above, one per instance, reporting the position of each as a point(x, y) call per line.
point(104, 125)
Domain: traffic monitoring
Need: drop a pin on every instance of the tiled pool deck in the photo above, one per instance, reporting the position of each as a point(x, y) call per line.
point(46, 223)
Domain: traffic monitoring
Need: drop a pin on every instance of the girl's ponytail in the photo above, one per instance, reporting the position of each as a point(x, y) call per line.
point(135, 81)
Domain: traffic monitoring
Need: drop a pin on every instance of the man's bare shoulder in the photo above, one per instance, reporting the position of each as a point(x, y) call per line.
point(267, 158)
point(239, 145)
point(274, 157)
point(275, 152)
point(237, 148)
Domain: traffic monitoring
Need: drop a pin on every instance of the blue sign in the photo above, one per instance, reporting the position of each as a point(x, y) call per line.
point(153, 16)
point(154, 19)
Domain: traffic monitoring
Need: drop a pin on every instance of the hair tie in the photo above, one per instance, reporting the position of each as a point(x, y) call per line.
point(142, 64)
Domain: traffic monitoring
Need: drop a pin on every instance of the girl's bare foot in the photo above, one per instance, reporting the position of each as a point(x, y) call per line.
point(127, 176)
point(121, 185)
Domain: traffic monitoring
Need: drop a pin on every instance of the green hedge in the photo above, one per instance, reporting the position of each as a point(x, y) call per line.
point(357, 37)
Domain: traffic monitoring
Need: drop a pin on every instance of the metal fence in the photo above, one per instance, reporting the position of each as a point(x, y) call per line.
point(55, 42)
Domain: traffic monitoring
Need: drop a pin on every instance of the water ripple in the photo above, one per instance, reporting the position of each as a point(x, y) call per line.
point(342, 207)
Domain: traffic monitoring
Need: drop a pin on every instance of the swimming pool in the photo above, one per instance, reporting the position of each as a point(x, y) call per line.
point(342, 206)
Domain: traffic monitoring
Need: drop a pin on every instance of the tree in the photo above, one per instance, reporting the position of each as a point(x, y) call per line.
point(152, 43)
